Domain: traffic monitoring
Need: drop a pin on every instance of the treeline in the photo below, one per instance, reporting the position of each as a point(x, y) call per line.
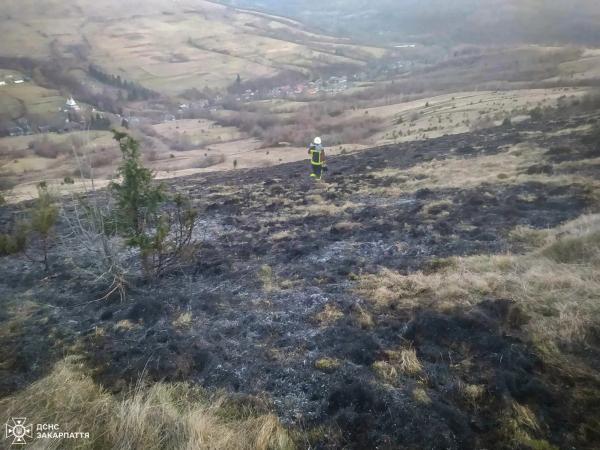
point(134, 90)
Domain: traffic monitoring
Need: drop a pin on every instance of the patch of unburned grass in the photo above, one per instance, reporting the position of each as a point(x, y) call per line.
point(519, 427)
point(327, 365)
point(399, 362)
point(420, 396)
point(184, 320)
point(363, 318)
point(557, 283)
point(330, 314)
point(174, 416)
point(505, 168)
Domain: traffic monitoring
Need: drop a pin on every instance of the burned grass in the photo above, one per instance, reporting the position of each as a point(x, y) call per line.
point(389, 306)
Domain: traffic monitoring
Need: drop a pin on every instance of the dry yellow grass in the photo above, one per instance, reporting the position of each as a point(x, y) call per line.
point(327, 364)
point(282, 235)
point(472, 393)
point(267, 278)
point(324, 208)
point(330, 314)
point(364, 319)
point(459, 174)
point(125, 325)
point(346, 226)
point(163, 416)
point(386, 371)
point(558, 282)
point(399, 362)
point(519, 424)
point(420, 396)
point(184, 320)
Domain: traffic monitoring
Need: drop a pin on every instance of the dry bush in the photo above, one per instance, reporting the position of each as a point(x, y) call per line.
point(160, 416)
point(45, 148)
point(103, 157)
point(209, 161)
point(14, 242)
point(317, 119)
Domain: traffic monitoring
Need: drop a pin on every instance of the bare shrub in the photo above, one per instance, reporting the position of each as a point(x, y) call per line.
point(45, 148)
point(209, 161)
point(103, 157)
point(14, 241)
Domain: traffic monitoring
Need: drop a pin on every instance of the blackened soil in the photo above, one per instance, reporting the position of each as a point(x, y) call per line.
point(250, 339)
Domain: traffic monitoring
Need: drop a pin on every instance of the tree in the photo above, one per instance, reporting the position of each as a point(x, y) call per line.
point(44, 215)
point(138, 198)
point(160, 226)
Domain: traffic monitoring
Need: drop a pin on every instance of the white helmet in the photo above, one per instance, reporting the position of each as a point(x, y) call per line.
point(317, 141)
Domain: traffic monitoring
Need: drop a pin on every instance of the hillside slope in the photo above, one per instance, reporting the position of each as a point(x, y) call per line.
point(438, 294)
point(473, 21)
point(171, 46)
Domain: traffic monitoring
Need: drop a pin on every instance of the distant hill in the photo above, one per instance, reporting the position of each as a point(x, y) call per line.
point(170, 46)
point(468, 21)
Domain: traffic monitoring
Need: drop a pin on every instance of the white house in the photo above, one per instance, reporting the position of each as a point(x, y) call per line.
point(72, 104)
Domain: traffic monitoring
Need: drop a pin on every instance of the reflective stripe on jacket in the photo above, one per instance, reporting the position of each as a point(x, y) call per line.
point(316, 155)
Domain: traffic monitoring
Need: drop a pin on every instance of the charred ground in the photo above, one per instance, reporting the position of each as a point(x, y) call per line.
point(273, 307)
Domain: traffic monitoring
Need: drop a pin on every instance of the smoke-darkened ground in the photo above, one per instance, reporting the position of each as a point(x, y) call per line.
point(394, 305)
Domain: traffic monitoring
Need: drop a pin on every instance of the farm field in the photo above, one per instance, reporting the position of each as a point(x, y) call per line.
point(183, 45)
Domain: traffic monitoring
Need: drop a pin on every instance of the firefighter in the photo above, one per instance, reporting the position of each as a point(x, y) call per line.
point(317, 158)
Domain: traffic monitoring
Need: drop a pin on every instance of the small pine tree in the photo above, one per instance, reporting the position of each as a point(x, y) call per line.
point(160, 227)
point(138, 198)
point(44, 215)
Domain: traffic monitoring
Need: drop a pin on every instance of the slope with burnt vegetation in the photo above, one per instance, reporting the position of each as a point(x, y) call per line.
point(438, 294)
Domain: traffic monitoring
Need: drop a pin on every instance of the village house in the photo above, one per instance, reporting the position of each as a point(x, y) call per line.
point(72, 105)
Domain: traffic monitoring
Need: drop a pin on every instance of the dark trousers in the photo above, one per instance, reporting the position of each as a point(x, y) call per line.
point(317, 170)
